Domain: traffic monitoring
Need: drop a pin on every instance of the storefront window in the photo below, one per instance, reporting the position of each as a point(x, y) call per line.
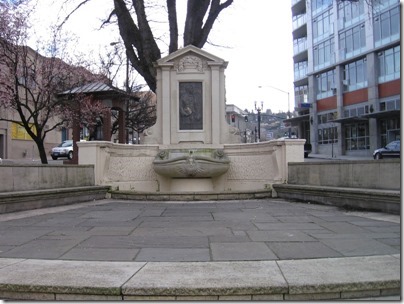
point(357, 136)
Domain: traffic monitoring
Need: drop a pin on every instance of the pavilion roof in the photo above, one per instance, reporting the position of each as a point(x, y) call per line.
point(95, 88)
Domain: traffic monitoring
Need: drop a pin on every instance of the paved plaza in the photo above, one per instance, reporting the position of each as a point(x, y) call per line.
point(250, 230)
point(267, 249)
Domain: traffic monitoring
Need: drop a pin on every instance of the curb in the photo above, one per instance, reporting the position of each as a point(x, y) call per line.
point(313, 279)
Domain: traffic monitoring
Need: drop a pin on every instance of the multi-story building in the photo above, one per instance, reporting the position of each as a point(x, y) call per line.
point(347, 74)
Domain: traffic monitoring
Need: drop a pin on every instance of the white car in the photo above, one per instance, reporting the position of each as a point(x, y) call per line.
point(65, 149)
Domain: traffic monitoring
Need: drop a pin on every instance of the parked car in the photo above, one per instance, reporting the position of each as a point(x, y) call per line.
point(65, 149)
point(390, 150)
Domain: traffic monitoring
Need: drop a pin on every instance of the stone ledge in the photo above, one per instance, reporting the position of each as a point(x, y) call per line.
point(35, 199)
point(358, 198)
point(190, 196)
point(330, 278)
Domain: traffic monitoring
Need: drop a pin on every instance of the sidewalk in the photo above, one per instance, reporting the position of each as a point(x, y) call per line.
point(268, 249)
point(337, 157)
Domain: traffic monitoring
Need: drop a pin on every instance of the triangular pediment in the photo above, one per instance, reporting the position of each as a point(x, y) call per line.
point(191, 52)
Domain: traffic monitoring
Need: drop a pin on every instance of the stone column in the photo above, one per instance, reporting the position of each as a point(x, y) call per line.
point(166, 106)
point(216, 104)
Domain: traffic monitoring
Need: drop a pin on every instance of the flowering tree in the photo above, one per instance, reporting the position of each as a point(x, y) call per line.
point(29, 82)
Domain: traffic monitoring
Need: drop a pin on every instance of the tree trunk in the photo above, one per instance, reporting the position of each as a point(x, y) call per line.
point(42, 151)
point(141, 48)
point(140, 44)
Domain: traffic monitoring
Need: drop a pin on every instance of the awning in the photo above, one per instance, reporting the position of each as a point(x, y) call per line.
point(298, 119)
point(350, 119)
point(383, 114)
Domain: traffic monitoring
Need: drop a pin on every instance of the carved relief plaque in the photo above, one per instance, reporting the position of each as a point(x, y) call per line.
point(190, 63)
point(190, 106)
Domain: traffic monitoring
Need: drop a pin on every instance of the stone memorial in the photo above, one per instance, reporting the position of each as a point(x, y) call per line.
point(191, 147)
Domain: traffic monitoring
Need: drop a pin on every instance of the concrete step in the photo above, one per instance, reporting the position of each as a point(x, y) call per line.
point(190, 196)
point(358, 198)
point(313, 279)
point(35, 199)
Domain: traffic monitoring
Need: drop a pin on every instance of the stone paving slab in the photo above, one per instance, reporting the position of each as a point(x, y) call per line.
point(267, 249)
point(267, 229)
point(251, 251)
point(174, 254)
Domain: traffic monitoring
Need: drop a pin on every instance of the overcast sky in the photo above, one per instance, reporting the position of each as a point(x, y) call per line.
point(256, 35)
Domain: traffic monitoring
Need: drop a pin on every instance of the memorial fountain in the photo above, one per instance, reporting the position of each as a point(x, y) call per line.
point(191, 147)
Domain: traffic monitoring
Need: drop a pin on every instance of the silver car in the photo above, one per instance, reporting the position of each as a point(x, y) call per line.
point(65, 149)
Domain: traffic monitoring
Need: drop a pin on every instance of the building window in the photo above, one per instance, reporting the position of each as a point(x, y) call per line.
point(300, 70)
point(325, 84)
point(19, 132)
point(389, 64)
point(390, 105)
point(324, 54)
point(379, 6)
point(301, 94)
point(65, 134)
point(355, 75)
point(320, 5)
point(327, 135)
point(352, 42)
point(322, 26)
point(350, 13)
point(386, 27)
point(356, 111)
point(389, 130)
point(299, 45)
point(327, 117)
point(357, 136)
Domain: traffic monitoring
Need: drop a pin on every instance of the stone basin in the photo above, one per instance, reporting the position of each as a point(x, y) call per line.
point(191, 163)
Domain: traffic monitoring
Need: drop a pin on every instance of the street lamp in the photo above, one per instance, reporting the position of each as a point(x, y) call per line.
point(289, 114)
point(128, 90)
point(259, 109)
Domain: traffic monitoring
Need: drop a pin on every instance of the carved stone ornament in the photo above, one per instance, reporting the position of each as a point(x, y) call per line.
point(193, 163)
point(190, 63)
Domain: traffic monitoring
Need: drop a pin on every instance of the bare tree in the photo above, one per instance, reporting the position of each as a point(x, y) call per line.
point(140, 43)
point(29, 81)
point(140, 113)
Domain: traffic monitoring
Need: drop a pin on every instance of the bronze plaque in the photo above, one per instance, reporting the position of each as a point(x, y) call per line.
point(191, 106)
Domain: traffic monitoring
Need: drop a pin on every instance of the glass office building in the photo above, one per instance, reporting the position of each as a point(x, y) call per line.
point(347, 74)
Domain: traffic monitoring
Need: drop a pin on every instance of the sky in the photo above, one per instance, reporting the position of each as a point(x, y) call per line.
point(254, 36)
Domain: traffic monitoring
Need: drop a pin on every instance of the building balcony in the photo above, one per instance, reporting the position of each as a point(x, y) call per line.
point(298, 21)
point(300, 74)
point(299, 46)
